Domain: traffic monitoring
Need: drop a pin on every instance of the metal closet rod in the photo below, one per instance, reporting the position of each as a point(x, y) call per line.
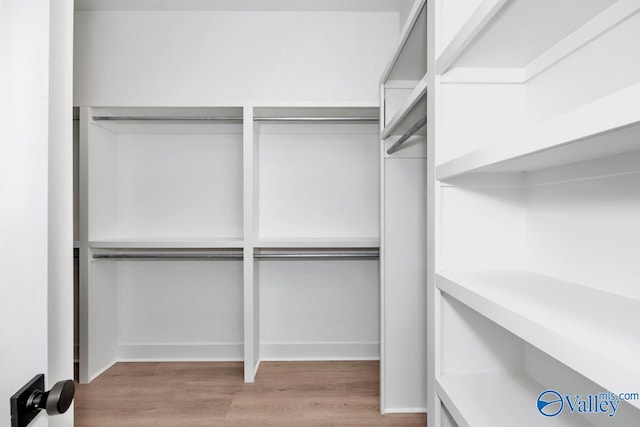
point(169, 256)
point(316, 119)
point(319, 255)
point(167, 118)
point(230, 118)
point(408, 134)
point(282, 255)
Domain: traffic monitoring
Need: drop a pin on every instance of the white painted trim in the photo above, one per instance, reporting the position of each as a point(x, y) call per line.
point(605, 21)
point(320, 351)
point(404, 36)
point(405, 411)
point(485, 12)
point(174, 352)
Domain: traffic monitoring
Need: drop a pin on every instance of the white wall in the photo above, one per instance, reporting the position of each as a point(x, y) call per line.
point(205, 57)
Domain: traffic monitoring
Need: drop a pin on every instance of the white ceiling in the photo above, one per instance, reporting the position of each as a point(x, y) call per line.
point(247, 5)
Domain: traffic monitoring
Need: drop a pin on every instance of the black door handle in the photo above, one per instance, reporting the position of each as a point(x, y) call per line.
point(32, 398)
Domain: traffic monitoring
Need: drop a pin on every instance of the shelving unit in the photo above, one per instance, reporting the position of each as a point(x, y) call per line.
point(406, 163)
point(537, 180)
point(266, 216)
point(315, 233)
point(154, 181)
point(564, 326)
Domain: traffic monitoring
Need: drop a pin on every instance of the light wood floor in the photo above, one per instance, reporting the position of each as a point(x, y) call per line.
point(213, 394)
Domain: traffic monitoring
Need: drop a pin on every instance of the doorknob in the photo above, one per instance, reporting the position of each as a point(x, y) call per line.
point(32, 398)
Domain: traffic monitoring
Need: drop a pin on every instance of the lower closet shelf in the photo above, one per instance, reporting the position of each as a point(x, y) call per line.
point(575, 324)
point(497, 400)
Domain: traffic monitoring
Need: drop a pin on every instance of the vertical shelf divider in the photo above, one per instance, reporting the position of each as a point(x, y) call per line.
point(251, 307)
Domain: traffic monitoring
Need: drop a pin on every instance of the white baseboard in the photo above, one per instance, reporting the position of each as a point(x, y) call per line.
point(320, 351)
point(405, 411)
point(99, 372)
point(179, 352)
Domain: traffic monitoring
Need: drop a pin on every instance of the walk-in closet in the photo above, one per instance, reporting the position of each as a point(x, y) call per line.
point(320, 212)
point(236, 202)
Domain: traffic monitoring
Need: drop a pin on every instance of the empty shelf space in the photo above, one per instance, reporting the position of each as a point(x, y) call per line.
point(497, 400)
point(166, 243)
point(605, 127)
point(560, 318)
point(505, 34)
point(319, 243)
point(408, 61)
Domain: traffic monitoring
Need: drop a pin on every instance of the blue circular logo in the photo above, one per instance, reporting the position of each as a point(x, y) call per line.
point(550, 403)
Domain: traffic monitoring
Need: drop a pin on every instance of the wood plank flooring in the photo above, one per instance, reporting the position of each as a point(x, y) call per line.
point(214, 394)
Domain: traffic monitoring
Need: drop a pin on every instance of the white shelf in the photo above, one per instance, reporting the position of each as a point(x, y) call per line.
point(408, 61)
point(560, 318)
point(413, 109)
point(505, 34)
point(164, 243)
point(318, 243)
point(608, 126)
point(241, 6)
point(472, 401)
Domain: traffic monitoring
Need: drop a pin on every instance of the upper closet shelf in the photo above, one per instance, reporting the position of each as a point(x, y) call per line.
point(311, 114)
point(318, 243)
point(167, 243)
point(608, 126)
point(408, 62)
point(560, 318)
point(528, 37)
